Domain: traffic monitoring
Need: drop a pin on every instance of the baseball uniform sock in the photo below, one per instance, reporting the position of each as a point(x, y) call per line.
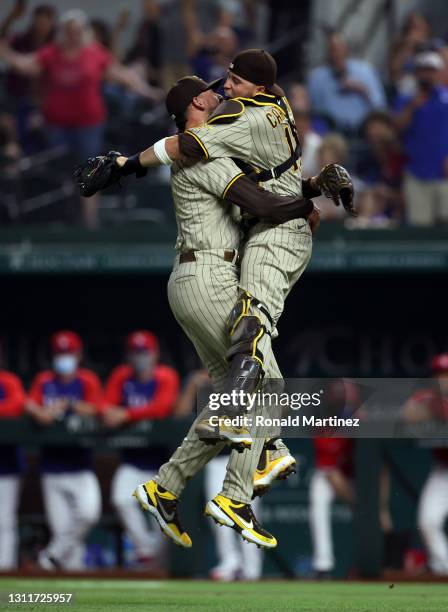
point(241, 518)
point(276, 464)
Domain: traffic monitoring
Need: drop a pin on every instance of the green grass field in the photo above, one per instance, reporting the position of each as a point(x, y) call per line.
point(181, 596)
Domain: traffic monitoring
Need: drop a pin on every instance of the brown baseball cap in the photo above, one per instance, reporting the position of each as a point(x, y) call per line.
point(182, 93)
point(259, 67)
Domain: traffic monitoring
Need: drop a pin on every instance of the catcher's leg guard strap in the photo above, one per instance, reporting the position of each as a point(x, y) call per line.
point(245, 375)
point(246, 330)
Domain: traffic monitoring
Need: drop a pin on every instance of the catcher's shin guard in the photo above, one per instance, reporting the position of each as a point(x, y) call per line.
point(245, 375)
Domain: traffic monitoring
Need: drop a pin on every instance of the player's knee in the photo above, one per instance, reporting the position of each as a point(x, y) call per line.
point(247, 305)
point(430, 523)
point(89, 515)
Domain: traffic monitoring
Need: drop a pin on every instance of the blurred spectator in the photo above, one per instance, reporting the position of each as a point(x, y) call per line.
point(140, 390)
point(240, 15)
point(73, 69)
point(309, 139)
point(10, 151)
point(381, 169)
point(425, 405)
point(211, 40)
point(235, 560)
point(346, 89)
point(10, 154)
point(299, 100)
point(12, 399)
point(109, 37)
point(211, 60)
point(415, 31)
point(144, 54)
point(290, 23)
point(172, 17)
point(24, 90)
point(423, 122)
point(333, 149)
point(102, 33)
point(70, 487)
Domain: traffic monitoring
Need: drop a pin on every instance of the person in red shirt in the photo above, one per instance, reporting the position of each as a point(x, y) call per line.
point(425, 405)
point(71, 491)
point(73, 69)
point(12, 398)
point(24, 90)
point(142, 389)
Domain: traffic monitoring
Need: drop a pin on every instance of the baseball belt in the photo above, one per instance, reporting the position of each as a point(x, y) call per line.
point(189, 256)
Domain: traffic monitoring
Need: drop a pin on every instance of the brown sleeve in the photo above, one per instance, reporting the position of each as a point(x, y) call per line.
point(190, 146)
point(265, 205)
point(309, 191)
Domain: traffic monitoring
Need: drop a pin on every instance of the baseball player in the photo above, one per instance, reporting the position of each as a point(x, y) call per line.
point(432, 404)
point(140, 389)
point(71, 491)
point(178, 470)
point(331, 479)
point(12, 398)
point(257, 127)
point(203, 288)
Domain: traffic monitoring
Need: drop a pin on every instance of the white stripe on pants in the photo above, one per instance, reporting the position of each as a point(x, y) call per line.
point(432, 514)
point(321, 498)
point(9, 496)
point(73, 505)
point(145, 536)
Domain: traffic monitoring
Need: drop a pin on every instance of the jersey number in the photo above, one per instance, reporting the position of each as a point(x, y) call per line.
point(289, 140)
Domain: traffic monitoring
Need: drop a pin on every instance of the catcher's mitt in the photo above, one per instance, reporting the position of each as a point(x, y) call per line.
point(335, 183)
point(97, 173)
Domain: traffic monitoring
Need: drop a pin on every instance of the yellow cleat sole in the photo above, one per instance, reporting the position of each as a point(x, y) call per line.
point(161, 522)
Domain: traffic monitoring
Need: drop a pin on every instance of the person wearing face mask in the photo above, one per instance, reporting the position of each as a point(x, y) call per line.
point(71, 491)
point(142, 389)
point(422, 120)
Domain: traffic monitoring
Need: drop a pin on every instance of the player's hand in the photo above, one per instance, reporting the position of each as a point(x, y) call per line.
point(200, 378)
point(84, 408)
point(351, 85)
point(59, 407)
point(123, 19)
point(314, 219)
point(48, 414)
point(115, 417)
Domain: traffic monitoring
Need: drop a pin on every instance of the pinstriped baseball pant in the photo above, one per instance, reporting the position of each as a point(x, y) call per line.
point(201, 296)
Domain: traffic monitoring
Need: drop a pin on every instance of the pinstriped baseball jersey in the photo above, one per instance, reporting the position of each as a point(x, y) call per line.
point(204, 221)
point(260, 135)
point(274, 256)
